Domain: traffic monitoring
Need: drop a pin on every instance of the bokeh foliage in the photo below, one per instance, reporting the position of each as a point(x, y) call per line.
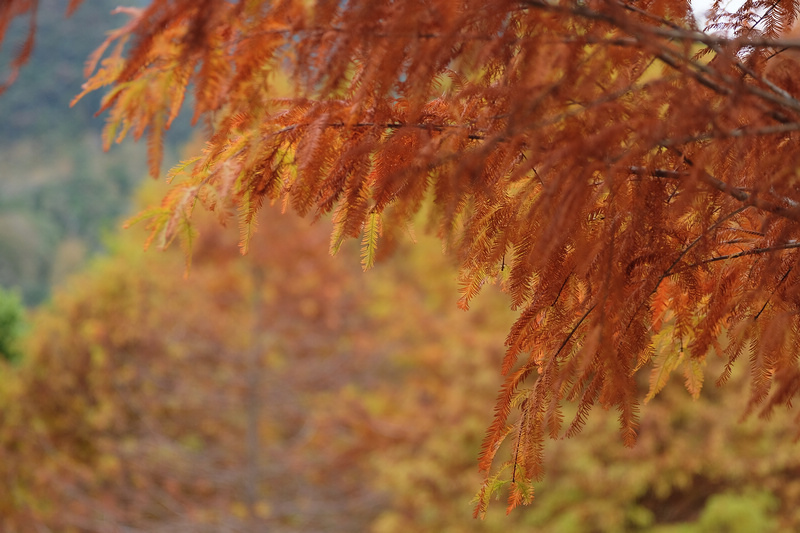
point(288, 391)
point(12, 324)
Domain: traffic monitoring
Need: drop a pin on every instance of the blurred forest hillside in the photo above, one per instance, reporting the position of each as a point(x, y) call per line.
point(58, 191)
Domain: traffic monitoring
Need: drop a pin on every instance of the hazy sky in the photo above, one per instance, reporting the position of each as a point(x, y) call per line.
point(701, 6)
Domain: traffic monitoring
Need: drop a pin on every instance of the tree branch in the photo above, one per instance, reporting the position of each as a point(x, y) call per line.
point(754, 251)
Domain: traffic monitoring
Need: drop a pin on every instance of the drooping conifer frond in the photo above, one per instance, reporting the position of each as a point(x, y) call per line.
point(629, 178)
point(9, 10)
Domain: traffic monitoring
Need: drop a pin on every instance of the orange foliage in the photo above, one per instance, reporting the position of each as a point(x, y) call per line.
point(8, 11)
point(606, 159)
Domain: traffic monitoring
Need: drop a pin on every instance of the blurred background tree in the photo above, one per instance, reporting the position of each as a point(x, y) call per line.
point(288, 391)
point(150, 403)
point(12, 323)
